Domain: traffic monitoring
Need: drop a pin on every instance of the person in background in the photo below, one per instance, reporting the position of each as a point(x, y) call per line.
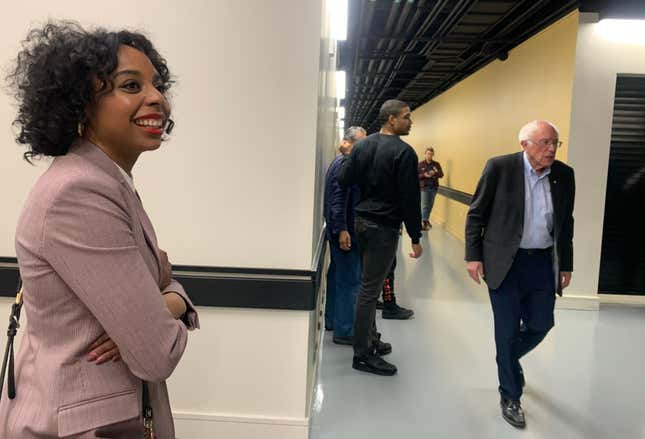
point(344, 272)
point(429, 174)
point(519, 238)
point(385, 168)
point(107, 324)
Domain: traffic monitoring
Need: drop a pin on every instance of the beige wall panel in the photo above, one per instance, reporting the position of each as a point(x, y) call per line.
point(481, 116)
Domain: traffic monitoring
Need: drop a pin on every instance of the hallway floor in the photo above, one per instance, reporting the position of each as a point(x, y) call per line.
point(586, 380)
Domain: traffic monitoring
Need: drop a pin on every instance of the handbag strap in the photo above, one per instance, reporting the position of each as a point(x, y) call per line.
point(148, 432)
point(8, 358)
point(8, 366)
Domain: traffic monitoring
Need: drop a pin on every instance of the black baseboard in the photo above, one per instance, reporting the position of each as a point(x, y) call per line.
point(263, 288)
point(454, 194)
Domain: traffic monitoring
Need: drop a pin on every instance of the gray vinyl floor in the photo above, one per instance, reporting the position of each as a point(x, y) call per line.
point(586, 380)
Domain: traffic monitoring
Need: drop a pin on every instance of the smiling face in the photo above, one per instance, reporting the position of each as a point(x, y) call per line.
point(130, 118)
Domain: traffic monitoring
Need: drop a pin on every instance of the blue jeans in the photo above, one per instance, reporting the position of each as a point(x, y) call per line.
point(527, 294)
point(343, 284)
point(427, 201)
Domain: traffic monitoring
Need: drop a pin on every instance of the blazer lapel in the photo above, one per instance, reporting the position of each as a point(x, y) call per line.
point(100, 159)
point(555, 201)
point(518, 180)
point(148, 232)
point(555, 194)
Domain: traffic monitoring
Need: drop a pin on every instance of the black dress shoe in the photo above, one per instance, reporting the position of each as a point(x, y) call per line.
point(379, 304)
point(383, 348)
point(396, 312)
point(346, 340)
point(374, 364)
point(513, 413)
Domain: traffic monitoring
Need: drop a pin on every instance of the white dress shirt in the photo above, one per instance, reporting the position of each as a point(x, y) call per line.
point(538, 208)
point(128, 178)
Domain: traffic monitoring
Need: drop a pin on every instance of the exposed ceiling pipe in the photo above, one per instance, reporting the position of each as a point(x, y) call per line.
point(391, 77)
point(434, 13)
point(522, 18)
point(386, 68)
point(389, 24)
point(365, 23)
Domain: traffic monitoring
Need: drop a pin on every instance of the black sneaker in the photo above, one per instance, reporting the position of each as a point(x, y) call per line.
point(512, 412)
point(374, 364)
point(396, 312)
point(383, 348)
point(347, 340)
point(379, 304)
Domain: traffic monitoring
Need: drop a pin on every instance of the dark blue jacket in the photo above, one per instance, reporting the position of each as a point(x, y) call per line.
point(340, 203)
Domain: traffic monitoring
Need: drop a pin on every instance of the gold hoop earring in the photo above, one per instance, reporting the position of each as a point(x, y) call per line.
point(79, 129)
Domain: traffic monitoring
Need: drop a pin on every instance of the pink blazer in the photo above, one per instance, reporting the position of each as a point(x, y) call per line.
point(90, 264)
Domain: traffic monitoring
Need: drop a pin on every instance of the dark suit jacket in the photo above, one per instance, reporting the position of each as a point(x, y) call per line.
point(496, 217)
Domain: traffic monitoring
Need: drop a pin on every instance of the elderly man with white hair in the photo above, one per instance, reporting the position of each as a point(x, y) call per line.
point(519, 239)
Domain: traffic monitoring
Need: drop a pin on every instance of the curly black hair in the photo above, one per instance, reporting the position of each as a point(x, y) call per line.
point(55, 81)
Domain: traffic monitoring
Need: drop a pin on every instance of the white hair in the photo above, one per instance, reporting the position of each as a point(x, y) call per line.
point(527, 130)
point(351, 134)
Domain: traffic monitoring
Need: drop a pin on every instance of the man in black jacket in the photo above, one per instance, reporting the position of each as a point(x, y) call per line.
point(519, 238)
point(385, 168)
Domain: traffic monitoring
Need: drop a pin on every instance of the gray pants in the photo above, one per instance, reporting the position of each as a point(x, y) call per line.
point(377, 244)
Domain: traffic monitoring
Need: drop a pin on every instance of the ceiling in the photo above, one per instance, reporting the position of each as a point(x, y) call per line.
point(413, 50)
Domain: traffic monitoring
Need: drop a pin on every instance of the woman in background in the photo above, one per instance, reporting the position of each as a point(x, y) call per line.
point(105, 318)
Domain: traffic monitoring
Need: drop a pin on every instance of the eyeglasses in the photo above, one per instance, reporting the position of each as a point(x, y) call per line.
point(546, 142)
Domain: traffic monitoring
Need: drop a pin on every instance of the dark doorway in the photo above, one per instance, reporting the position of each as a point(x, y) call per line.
point(622, 262)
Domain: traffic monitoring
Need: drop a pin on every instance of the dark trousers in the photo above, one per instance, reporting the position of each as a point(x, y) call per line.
point(377, 244)
point(343, 283)
point(523, 311)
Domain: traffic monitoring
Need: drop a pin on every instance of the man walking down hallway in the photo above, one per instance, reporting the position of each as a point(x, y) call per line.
point(519, 238)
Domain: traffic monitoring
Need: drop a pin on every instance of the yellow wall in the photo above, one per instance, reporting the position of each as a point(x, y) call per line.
point(480, 117)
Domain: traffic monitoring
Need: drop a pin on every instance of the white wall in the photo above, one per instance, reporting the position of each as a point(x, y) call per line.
point(599, 58)
point(327, 133)
point(234, 186)
point(239, 184)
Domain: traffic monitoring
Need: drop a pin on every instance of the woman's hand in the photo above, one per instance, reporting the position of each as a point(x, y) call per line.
point(166, 270)
point(175, 304)
point(103, 350)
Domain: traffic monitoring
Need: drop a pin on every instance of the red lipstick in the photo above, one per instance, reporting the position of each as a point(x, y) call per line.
point(152, 129)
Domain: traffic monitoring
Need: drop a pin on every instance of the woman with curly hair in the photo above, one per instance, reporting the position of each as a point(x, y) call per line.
point(106, 322)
